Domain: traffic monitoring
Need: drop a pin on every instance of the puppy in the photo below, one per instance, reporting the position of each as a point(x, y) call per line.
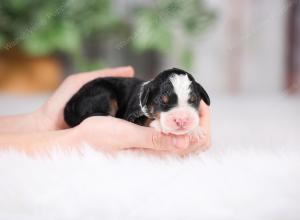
point(169, 103)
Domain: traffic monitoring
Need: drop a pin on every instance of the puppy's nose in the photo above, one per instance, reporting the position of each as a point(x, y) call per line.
point(181, 122)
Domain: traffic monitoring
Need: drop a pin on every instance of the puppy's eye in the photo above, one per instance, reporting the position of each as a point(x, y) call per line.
point(193, 99)
point(165, 99)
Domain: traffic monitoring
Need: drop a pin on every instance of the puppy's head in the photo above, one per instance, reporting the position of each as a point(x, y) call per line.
point(173, 97)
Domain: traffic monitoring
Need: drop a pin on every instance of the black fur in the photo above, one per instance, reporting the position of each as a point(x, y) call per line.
point(96, 98)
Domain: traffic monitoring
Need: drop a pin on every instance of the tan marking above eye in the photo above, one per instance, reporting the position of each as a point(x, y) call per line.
point(165, 99)
point(113, 107)
point(193, 98)
point(148, 122)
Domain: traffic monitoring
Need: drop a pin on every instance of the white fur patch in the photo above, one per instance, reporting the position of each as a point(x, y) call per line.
point(143, 108)
point(156, 125)
point(181, 84)
point(178, 110)
point(251, 172)
point(236, 184)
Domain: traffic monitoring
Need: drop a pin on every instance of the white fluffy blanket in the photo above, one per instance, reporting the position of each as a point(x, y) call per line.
point(251, 172)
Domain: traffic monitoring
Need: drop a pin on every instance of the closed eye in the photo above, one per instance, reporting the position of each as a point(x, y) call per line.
point(168, 101)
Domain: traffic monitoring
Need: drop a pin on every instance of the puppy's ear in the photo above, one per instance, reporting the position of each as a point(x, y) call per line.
point(203, 93)
point(145, 93)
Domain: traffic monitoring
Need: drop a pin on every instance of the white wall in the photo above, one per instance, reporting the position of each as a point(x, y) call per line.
point(245, 50)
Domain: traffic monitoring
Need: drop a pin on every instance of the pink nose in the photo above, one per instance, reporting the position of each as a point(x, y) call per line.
point(181, 122)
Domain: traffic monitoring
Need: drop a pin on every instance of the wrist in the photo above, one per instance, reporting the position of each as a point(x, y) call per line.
point(24, 123)
point(46, 122)
point(42, 121)
point(36, 143)
point(68, 139)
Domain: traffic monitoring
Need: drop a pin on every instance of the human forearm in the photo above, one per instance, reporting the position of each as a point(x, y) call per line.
point(50, 115)
point(16, 123)
point(24, 123)
point(39, 142)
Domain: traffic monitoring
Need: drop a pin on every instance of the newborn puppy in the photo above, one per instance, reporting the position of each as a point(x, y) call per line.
point(168, 103)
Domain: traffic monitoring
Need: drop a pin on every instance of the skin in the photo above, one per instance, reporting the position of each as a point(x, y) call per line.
point(44, 129)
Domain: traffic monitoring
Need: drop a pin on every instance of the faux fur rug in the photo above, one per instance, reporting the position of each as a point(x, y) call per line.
point(251, 172)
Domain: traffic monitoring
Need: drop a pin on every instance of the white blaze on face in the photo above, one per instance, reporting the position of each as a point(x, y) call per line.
point(183, 118)
point(181, 85)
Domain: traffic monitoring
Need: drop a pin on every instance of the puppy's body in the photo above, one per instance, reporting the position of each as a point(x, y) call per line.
point(170, 101)
point(117, 97)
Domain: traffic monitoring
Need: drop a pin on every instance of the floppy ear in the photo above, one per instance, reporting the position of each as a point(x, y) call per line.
point(145, 93)
point(203, 93)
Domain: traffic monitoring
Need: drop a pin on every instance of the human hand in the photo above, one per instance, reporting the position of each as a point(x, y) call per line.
point(103, 133)
point(50, 115)
point(197, 141)
point(200, 140)
point(111, 134)
point(116, 134)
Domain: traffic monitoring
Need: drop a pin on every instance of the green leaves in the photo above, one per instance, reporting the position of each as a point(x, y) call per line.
point(64, 37)
point(187, 58)
point(154, 27)
point(2, 41)
point(151, 33)
point(44, 27)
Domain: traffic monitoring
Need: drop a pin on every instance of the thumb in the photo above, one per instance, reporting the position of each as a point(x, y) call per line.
point(124, 71)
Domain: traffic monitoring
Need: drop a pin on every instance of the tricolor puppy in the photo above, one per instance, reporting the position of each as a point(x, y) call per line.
point(169, 102)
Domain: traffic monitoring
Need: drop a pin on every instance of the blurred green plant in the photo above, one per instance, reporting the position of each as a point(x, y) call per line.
point(156, 26)
point(45, 27)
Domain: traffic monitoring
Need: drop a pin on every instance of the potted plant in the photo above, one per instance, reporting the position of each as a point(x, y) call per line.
point(34, 32)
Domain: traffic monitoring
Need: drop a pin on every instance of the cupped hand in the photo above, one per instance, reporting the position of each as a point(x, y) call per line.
point(200, 141)
point(46, 126)
point(111, 135)
point(114, 134)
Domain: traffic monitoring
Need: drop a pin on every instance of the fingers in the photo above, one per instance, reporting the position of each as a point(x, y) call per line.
point(205, 121)
point(149, 138)
point(126, 71)
point(203, 109)
point(112, 134)
point(193, 148)
point(197, 144)
point(120, 134)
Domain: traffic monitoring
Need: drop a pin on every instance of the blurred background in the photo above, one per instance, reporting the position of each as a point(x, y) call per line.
point(232, 47)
